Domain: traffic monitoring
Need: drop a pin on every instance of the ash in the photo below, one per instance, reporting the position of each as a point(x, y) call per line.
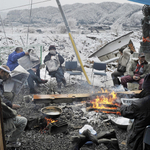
point(74, 113)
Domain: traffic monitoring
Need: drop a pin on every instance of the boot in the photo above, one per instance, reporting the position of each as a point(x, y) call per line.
point(90, 137)
point(107, 134)
point(59, 88)
point(64, 82)
point(112, 145)
point(78, 142)
point(33, 91)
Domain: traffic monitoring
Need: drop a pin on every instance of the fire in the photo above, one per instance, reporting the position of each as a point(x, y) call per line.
point(50, 120)
point(106, 104)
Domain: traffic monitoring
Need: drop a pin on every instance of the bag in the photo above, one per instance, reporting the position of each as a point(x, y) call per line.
point(53, 64)
point(121, 68)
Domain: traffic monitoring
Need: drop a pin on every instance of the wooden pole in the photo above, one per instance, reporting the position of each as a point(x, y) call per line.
point(2, 137)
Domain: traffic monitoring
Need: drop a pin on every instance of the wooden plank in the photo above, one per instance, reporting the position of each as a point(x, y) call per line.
point(59, 98)
point(130, 92)
point(69, 98)
point(109, 110)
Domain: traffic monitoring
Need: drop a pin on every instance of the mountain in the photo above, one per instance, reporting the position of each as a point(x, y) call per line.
point(106, 13)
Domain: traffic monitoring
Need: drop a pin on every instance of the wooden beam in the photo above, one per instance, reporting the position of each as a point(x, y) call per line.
point(2, 137)
point(69, 98)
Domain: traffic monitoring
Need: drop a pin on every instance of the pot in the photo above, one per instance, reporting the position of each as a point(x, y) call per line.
point(51, 111)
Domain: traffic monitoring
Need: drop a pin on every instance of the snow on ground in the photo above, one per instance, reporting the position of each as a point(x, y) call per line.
point(86, 46)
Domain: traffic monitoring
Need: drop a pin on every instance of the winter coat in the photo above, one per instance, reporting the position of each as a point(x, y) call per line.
point(139, 110)
point(124, 59)
point(8, 115)
point(48, 57)
point(12, 61)
point(133, 66)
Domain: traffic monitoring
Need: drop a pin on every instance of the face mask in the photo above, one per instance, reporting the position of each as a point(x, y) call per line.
point(52, 52)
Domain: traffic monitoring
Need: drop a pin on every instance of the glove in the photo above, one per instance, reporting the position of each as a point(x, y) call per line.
point(53, 57)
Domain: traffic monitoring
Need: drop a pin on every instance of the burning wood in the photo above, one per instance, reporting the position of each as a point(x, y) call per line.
point(105, 104)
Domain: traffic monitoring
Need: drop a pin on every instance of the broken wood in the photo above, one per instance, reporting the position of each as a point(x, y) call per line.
point(69, 98)
point(60, 98)
point(105, 105)
point(102, 110)
point(130, 92)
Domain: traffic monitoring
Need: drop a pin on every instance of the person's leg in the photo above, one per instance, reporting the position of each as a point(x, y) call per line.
point(20, 123)
point(38, 70)
point(140, 83)
point(125, 80)
point(115, 76)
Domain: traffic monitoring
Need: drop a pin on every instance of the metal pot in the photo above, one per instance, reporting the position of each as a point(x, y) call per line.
point(51, 111)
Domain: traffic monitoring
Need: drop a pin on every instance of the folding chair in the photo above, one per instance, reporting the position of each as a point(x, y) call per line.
point(71, 69)
point(100, 70)
point(146, 138)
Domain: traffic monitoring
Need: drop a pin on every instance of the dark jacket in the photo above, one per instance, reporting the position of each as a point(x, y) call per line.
point(48, 57)
point(12, 61)
point(139, 110)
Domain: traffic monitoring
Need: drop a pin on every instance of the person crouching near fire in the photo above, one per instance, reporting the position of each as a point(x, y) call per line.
point(139, 110)
point(53, 61)
point(12, 123)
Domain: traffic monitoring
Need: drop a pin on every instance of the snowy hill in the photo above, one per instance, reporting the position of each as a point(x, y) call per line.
point(106, 13)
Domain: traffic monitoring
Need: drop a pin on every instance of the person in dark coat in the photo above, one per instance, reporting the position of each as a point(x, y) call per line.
point(12, 123)
point(58, 73)
point(139, 110)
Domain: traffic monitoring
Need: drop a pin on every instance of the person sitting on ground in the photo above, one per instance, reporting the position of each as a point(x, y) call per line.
point(12, 63)
point(12, 123)
point(139, 111)
point(122, 63)
point(55, 69)
point(137, 71)
point(8, 96)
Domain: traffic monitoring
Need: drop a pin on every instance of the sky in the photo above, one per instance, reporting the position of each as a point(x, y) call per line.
point(5, 4)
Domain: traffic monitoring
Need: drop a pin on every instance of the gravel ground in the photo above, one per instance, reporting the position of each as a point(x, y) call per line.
point(73, 114)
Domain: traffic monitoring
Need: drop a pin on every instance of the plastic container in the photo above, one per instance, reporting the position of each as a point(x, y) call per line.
point(90, 128)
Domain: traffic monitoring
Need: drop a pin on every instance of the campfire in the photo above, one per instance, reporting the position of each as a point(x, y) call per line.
point(105, 103)
point(50, 120)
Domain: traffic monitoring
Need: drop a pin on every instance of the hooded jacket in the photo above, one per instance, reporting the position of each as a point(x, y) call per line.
point(48, 57)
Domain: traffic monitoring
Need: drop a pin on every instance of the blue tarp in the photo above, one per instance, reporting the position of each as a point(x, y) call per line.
point(147, 2)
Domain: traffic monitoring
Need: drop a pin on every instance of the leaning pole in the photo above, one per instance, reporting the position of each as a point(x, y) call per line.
point(72, 41)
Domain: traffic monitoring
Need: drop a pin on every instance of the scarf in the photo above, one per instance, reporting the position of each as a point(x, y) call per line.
point(53, 52)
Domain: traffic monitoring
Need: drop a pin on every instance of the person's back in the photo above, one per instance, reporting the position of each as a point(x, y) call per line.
point(140, 112)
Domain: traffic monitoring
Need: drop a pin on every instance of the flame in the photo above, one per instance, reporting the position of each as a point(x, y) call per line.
point(102, 102)
point(50, 120)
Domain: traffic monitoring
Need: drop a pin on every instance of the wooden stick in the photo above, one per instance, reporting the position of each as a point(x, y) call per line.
point(2, 137)
point(109, 110)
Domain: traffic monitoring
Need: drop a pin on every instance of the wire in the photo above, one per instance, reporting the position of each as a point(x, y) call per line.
point(24, 5)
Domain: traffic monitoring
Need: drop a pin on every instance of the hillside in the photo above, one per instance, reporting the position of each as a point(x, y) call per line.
point(106, 13)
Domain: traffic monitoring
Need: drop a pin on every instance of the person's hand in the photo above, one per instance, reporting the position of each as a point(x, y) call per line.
point(34, 69)
point(26, 53)
point(136, 77)
point(52, 57)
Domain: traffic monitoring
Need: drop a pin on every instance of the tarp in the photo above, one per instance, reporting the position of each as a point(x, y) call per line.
point(147, 2)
